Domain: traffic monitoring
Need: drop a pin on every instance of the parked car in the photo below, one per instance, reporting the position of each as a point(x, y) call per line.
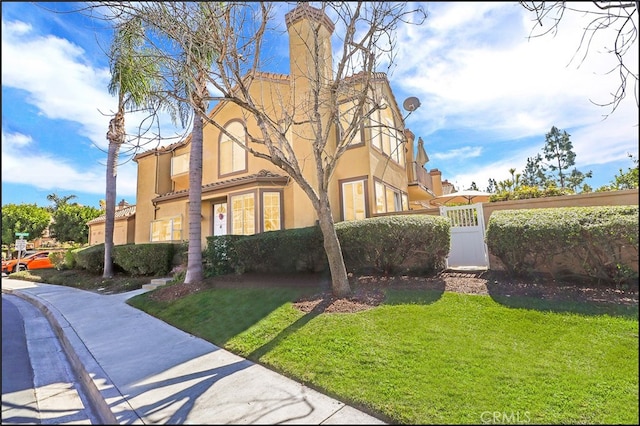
point(37, 260)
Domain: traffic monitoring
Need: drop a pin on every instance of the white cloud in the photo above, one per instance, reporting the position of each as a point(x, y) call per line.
point(60, 84)
point(464, 152)
point(474, 67)
point(49, 172)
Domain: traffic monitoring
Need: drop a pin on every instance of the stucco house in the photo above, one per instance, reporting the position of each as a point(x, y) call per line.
point(380, 172)
point(124, 226)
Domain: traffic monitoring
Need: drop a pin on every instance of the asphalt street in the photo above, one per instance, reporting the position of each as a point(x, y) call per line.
point(38, 384)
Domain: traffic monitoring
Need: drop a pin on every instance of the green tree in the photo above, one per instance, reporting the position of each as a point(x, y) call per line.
point(70, 222)
point(493, 186)
point(59, 201)
point(134, 80)
point(558, 151)
point(533, 174)
point(628, 179)
point(191, 31)
point(624, 179)
point(27, 218)
point(473, 187)
point(576, 179)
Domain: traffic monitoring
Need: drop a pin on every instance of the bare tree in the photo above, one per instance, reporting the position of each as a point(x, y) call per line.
point(617, 17)
point(297, 133)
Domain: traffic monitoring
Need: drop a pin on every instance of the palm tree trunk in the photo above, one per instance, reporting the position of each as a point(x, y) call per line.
point(194, 254)
point(115, 135)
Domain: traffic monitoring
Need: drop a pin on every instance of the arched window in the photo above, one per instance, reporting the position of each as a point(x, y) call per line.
point(233, 158)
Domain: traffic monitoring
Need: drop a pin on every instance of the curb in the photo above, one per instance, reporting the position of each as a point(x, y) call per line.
point(96, 385)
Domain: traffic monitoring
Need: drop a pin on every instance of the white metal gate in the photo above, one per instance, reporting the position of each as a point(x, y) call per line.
point(467, 249)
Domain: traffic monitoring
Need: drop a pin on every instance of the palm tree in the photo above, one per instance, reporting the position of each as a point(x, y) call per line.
point(133, 77)
point(190, 28)
point(197, 57)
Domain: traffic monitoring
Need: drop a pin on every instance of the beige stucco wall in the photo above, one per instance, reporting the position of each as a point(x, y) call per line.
point(145, 192)
point(123, 232)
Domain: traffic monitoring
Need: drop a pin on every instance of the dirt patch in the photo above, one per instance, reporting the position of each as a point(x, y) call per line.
point(369, 291)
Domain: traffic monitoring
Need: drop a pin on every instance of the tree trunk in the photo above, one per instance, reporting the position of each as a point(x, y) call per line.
point(194, 254)
point(339, 280)
point(115, 135)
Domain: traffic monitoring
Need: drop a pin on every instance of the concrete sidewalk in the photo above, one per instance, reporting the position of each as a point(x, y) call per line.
point(140, 370)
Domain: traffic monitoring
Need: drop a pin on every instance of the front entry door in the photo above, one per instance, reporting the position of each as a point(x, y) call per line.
point(220, 219)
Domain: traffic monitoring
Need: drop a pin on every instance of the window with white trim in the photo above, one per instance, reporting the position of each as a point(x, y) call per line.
point(271, 214)
point(168, 229)
point(347, 113)
point(385, 135)
point(353, 200)
point(243, 214)
point(179, 164)
point(233, 158)
point(389, 199)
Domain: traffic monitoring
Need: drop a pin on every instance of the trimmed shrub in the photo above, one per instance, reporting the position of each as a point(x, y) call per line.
point(395, 244)
point(597, 242)
point(220, 256)
point(390, 244)
point(144, 259)
point(290, 250)
point(91, 258)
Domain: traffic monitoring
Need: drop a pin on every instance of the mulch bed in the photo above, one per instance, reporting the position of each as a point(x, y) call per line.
point(369, 290)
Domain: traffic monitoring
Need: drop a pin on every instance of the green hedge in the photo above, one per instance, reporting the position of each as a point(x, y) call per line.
point(395, 244)
point(291, 250)
point(135, 259)
point(597, 242)
point(90, 258)
point(220, 256)
point(145, 259)
point(389, 244)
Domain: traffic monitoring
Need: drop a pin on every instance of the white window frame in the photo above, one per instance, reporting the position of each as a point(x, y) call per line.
point(173, 228)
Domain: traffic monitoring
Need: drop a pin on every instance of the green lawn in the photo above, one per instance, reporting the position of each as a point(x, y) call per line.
point(425, 358)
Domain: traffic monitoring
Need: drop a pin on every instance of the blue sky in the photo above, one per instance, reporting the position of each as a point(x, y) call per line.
point(489, 95)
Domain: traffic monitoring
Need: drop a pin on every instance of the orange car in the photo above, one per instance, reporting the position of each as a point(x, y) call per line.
point(38, 260)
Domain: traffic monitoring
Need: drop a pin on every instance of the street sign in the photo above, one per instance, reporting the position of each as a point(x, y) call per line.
point(22, 234)
point(21, 245)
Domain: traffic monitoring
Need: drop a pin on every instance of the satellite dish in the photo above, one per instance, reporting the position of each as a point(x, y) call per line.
point(411, 104)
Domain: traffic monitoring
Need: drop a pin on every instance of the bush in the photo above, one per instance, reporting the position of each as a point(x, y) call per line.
point(291, 250)
point(526, 192)
point(596, 242)
point(390, 244)
point(90, 258)
point(57, 258)
point(144, 259)
point(220, 256)
point(395, 244)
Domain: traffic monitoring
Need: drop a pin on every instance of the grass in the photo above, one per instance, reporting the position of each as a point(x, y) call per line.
point(431, 357)
point(83, 280)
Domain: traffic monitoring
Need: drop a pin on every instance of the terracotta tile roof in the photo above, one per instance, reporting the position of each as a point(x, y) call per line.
point(261, 176)
point(121, 213)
